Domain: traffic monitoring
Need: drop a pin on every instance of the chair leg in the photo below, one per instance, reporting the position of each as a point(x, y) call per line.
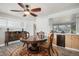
point(49, 51)
point(27, 45)
point(54, 51)
point(23, 44)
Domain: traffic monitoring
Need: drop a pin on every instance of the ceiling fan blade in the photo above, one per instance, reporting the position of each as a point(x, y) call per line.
point(17, 10)
point(36, 10)
point(22, 5)
point(33, 14)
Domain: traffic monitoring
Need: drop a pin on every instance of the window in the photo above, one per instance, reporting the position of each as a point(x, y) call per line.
point(2, 23)
point(62, 28)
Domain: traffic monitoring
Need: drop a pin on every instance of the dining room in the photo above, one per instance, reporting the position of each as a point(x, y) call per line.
point(39, 29)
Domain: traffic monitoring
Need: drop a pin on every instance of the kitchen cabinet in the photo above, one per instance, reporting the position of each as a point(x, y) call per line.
point(72, 41)
point(68, 41)
point(75, 41)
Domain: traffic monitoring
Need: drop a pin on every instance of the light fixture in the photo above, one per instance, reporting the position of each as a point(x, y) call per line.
point(26, 13)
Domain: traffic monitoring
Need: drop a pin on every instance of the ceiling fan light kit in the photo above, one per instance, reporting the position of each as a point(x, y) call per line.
point(27, 11)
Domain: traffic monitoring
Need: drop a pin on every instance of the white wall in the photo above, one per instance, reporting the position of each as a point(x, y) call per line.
point(43, 22)
point(42, 25)
point(64, 13)
point(2, 36)
point(14, 25)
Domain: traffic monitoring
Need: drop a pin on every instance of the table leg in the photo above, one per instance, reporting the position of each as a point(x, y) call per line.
point(23, 44)
point(27, 45)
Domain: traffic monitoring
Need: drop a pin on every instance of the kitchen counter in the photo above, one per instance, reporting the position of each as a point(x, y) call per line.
point(71, 40)
point(66, 34)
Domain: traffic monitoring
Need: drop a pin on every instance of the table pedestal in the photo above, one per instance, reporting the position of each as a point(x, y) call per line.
point(34, 48)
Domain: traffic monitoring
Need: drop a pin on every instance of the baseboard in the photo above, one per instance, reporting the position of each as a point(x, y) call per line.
point(9, 43)
point(72, 49)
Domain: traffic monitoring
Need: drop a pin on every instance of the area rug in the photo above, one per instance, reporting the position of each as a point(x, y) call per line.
point(21, 51)
point(7, 50)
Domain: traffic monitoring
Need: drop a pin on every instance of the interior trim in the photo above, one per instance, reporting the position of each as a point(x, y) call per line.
point(72, 49)
point(10, 43)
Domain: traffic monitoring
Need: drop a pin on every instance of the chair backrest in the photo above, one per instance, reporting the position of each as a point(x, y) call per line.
point(25, 35)
point(50, 38)
point(41, 34)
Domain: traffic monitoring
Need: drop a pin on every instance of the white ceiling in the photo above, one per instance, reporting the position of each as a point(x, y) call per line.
point(47, 8)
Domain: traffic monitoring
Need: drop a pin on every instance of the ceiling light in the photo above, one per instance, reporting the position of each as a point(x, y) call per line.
point(27, 13)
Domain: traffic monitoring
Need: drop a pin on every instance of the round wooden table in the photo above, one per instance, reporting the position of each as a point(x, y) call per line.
point(33, 39)
point(35, 42)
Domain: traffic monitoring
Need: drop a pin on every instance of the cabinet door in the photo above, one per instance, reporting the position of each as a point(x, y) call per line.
point(68, 41)
point(75, 41)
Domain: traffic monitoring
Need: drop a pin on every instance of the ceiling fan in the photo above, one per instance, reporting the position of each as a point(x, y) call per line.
point(27, 10)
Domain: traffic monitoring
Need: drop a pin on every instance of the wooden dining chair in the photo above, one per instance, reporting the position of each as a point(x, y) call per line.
point(25, 36)
point(48, 46)
point(41, 34)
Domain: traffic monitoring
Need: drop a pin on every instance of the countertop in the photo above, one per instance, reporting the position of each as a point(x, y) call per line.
point(65, 34)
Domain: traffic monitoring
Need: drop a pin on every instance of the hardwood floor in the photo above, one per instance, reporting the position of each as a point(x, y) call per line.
point(6, 50)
